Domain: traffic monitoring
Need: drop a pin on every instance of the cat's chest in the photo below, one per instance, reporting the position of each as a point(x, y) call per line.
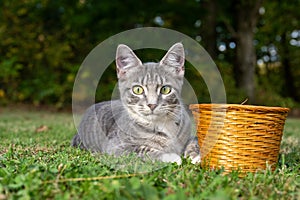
point(167, 128)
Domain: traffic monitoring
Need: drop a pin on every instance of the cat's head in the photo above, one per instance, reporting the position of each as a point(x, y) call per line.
point(150, 90)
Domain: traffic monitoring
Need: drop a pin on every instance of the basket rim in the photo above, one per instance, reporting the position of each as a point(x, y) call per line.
point(238, 106)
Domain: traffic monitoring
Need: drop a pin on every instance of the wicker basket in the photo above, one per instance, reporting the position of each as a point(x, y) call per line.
point(239, 137)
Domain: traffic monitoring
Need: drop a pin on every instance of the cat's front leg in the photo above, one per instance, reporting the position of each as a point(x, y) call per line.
point(192, 151)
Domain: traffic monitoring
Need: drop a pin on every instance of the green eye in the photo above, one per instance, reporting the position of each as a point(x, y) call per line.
point(137, 90)
point(165, 90)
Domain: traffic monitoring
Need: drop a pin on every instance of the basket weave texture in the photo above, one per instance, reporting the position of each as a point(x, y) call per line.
point(239, 137)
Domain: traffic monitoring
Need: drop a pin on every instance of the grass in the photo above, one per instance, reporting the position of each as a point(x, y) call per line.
point(37, 162)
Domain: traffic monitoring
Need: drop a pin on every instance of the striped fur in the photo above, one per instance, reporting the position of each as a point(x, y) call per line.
point(151, 124)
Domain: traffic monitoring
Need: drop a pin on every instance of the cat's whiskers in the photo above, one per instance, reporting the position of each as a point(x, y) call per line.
point(170, 112)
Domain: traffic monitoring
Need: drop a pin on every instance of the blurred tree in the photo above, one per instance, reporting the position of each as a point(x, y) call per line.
point(43, 42)
point(35, 51)
point(233, 27)
point(280, 35)
point(208, 29)
point(245, 16)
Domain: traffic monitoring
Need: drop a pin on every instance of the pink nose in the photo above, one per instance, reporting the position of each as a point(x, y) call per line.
point(152, 106)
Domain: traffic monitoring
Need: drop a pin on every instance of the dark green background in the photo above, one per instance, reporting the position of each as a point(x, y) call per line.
point(44, 42)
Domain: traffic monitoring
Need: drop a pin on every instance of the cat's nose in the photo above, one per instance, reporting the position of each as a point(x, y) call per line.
point(152, 106)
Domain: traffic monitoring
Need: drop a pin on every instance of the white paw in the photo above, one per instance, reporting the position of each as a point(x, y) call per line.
point(196, 160)
point(171, 157)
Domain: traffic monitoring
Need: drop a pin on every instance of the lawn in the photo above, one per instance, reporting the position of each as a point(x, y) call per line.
point(37, 162)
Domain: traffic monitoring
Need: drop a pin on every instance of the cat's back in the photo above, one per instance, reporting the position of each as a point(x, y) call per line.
point(104, 113)
point(97, 124)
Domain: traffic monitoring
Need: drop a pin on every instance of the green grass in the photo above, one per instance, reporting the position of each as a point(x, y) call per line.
point(37, 162)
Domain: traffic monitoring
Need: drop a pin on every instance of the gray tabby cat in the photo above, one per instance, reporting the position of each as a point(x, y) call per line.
point(149, 119)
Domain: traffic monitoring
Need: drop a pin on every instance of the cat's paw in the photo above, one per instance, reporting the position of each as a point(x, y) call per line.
point(171, 157)
point(195, 159)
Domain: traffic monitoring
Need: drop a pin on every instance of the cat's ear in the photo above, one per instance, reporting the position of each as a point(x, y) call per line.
point(174, 59)
point(125, 60)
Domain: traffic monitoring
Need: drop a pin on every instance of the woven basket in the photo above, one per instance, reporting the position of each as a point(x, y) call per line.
point(239, 137)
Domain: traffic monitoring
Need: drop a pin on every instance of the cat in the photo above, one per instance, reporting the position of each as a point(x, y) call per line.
point(149, 119)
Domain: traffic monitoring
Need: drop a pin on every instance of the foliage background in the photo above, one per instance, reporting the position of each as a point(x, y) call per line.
point(43, 43)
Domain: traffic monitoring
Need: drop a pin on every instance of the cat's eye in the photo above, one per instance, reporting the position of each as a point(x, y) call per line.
point(165, 90)
point(137, 90)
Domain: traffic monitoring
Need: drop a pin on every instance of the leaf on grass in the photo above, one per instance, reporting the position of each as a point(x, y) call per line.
point(42, 128)
point(2, 196)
